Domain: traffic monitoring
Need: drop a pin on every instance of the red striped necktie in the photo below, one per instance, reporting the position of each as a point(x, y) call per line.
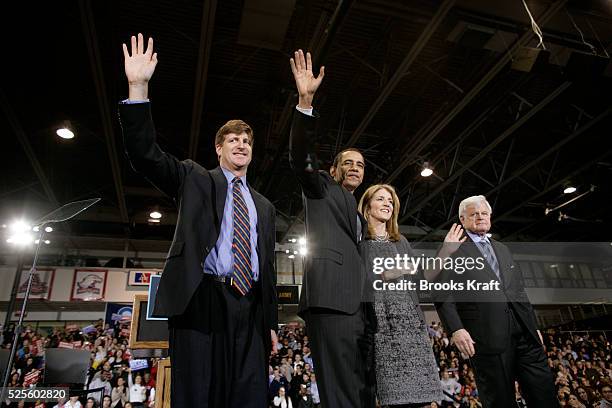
point(242, 277)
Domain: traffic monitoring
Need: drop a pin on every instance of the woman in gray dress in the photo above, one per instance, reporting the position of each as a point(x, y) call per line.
point(406, 370)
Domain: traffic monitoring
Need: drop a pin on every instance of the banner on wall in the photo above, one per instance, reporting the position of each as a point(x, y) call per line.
point(88, 284)
point(117, 312)
point(141, 277)
point(42, 283)
point(287, 294)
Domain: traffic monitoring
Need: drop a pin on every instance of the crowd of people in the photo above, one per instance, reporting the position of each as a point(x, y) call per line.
point(581, 364)
point(111, 380)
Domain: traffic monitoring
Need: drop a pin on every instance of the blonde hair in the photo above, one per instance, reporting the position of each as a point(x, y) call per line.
point(364, 209)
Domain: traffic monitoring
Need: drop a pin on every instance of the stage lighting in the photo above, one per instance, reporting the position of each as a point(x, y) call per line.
point(303, 251)
point(291, 256)
point(427, 170)
point(20, 233)
point(302, 241)
point(48, 229)
point(569, 190)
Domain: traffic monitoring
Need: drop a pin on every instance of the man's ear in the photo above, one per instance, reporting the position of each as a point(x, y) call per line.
point(332, 171)
point(461, 219)
point(218, 150)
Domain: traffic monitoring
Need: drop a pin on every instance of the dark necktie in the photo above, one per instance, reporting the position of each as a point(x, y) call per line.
point(241, 244)
point(487, 251)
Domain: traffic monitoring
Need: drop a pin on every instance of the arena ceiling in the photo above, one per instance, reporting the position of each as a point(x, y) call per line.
point(408, 82)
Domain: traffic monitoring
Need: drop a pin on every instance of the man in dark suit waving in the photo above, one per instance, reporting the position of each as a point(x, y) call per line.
point(218, 283)
point(496, 328)
point(334, 274)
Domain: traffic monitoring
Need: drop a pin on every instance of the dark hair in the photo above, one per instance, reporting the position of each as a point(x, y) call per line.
point(236, 126)
point(339, 155)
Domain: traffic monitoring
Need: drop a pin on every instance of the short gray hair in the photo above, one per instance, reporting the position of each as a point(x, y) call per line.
point(473, 200)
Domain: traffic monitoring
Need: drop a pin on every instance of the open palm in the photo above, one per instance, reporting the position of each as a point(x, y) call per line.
point(453, 240)
point(305, 80)
point(140, 65)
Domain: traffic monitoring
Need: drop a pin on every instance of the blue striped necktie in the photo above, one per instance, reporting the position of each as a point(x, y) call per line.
point(242, 276)
point(487, 250)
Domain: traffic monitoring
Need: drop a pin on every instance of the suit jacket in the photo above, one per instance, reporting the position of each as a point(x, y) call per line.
point(200, 196)
point(487, 317)
point(334, 272)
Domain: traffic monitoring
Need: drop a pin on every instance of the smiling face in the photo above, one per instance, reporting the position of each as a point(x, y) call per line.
point(349, 170)
point(235, 152)
point(380, 206)
point(476, 218)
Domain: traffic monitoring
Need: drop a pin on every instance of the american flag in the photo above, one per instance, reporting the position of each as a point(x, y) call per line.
point(31, 378)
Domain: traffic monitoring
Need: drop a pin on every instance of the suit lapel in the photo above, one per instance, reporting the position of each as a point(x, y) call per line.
point(220, 185)
point(259, 206)
point(505, 273)
point(364, 225)
point(351, 212)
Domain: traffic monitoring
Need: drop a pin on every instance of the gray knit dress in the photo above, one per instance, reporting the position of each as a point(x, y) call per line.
point(406, 370)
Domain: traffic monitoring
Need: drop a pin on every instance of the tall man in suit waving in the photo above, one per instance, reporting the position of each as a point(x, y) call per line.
point(218, 282)
point(497, 329)
point(334, 274)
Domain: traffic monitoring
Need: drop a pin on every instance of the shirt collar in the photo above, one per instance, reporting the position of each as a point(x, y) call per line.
point(477, 238)
point(229, 176)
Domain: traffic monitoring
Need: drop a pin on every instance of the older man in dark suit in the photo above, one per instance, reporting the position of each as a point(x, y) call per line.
point(218, 283)
point(334, 273)
point(496, 325)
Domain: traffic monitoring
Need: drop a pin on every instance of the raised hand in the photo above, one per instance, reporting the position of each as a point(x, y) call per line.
point(305, 80)
point(454, 238)
point(139, 66)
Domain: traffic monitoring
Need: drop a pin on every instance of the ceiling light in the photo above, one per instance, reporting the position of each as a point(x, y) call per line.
point(291, 256)
point(65, 130)
point(303, 251)
point(426, 171)
point(569, 190)
point(48, 229)
point(153, 220)
point(155, 214)
point(47, 242)
point(302, 241)
point(65, 133)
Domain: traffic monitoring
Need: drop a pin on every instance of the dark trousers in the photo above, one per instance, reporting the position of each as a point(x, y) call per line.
point(342, 353)
point(217, 350)
point(524, 361)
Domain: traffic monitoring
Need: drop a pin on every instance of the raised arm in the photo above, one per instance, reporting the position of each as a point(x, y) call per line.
point(161, 169)
point(302, 157)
